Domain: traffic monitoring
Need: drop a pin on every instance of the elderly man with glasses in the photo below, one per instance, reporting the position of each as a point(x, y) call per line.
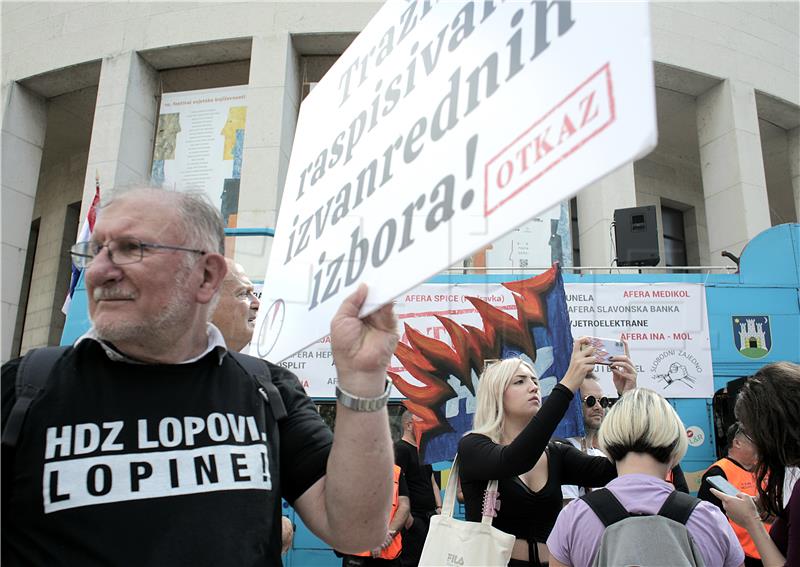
point(153, 444)
point(235, 315)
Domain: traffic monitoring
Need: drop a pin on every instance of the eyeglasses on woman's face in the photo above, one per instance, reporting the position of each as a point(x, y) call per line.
point(590, 401)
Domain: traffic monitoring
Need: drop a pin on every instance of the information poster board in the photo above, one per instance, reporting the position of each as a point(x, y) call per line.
point(199, 144)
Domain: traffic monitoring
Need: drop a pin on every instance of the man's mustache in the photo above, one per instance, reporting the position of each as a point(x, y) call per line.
point(110, 293)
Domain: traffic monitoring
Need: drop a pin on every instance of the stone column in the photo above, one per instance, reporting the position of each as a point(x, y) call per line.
point(793, 137)
point(732, 167)
point(123, 131)
point(596, 206)
point(24, 124)
point(273, 100)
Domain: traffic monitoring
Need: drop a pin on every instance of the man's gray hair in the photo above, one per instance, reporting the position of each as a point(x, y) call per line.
point(200, 220)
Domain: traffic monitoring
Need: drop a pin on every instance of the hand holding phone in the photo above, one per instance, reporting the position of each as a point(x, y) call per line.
point(721, 484)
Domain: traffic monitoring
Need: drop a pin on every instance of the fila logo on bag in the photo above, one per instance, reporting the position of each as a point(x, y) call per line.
point(453, 559)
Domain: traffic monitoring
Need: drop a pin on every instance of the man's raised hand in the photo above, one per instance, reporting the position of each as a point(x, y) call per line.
point(362, 348)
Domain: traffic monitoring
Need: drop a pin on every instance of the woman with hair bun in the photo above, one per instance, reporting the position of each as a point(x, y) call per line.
point(768, 407)
point(644, 436)
point(511, 443)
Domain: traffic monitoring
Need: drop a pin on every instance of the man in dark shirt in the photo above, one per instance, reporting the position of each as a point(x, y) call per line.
point(423, 492)
point(235, 317)
point(152, 445)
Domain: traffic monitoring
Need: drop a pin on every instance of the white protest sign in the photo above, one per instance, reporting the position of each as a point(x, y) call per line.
point(440, 129)
point(666, 326)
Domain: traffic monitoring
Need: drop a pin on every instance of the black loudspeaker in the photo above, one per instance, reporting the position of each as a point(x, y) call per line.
point(636, 236)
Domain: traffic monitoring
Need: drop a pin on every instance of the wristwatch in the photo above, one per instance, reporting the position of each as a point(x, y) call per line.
point(358, 403)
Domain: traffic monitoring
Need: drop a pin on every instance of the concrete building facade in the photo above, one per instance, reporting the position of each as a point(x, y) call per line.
point(81, 84)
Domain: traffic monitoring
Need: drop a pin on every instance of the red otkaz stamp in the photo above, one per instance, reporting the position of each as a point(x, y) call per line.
point(579, 117)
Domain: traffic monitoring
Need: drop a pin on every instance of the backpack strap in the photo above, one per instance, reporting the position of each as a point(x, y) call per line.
point(259, 370)
point(678, 506)
point(32, 373)
point(605, 506)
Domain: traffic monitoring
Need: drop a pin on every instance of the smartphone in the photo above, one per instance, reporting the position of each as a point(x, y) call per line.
point(604, 349)
point(721, 484)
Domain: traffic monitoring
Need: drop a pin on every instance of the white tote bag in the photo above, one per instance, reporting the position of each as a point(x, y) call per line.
point(455, 542)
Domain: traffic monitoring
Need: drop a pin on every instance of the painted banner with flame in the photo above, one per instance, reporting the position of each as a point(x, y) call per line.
point(446, 373)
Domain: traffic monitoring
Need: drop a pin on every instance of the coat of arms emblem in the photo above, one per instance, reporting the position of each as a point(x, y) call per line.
point(751, 334)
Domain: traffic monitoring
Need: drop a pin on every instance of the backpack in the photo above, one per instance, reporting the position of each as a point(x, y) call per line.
point(644, 540)
point(36, 366)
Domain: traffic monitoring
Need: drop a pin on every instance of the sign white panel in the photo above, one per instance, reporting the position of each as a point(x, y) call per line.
point(443, 127)
point(666, 326)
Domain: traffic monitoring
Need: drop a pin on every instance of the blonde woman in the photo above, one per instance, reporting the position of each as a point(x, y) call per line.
point(510, 442)
point(644, 436)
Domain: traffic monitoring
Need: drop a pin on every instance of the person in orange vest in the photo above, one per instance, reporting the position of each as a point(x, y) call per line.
point(736, 467)
point(388, 555)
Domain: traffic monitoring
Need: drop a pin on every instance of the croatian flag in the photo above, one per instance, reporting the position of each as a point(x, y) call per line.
point(84, 235)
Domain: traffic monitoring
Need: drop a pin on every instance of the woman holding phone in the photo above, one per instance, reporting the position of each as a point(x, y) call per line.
point(511, 443)
point(768, 408)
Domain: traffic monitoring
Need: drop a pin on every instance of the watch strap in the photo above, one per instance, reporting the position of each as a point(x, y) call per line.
point(359, 403)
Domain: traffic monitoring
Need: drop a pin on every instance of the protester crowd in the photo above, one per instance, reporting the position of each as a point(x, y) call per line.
point(154, 441)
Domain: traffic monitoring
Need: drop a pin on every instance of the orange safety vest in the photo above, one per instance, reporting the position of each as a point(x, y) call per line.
point(394, 548)
point(745, 481)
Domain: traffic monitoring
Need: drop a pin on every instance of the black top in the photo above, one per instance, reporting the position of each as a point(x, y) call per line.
point(402, 486)
point(524, 513)
point(418, 477)
point(127, 464)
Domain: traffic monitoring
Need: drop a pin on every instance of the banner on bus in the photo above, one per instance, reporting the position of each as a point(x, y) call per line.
point(665, 325)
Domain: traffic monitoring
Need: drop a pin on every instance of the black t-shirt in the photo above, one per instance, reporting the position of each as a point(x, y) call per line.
point(402, 486)
point(524, 513)
point(417, 476)
point(129, 464)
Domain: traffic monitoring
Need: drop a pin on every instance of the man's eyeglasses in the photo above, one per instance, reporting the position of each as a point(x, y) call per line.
point(590, 401)
point(121, 251)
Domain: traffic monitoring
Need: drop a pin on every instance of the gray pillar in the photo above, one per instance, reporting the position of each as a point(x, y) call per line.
point(273, 100)
point(123, 131)
point(732, 166)
point(793, 136)
point(24, 124)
